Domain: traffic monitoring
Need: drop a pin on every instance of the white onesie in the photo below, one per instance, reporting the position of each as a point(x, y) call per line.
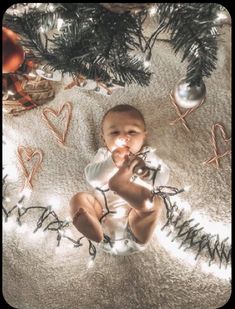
point(115, 224)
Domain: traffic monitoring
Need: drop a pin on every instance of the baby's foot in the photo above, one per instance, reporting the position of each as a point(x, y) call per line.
point(120, 179)
point(88, 225)
point(124, 174)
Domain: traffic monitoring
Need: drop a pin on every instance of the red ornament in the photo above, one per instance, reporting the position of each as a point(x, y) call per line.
point(12, 53)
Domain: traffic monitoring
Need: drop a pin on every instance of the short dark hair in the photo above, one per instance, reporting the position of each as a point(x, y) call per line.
point(124, 108)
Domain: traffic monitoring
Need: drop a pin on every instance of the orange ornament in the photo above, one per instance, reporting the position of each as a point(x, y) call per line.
point(12, 53)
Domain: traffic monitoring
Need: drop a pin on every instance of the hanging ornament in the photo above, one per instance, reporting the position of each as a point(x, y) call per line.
point(188, 96)
point(12, 53)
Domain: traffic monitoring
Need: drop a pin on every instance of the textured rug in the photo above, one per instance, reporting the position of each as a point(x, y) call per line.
point(38, 275)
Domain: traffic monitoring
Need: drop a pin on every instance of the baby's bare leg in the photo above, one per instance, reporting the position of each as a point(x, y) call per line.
point(142, 224)
point(146, 209)
point(86, 211)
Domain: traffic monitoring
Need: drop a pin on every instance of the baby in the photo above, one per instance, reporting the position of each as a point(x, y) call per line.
point(134, 211)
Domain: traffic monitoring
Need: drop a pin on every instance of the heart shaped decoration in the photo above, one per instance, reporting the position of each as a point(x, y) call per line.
point(28, 153)
point(215, 147)
point(60, 136)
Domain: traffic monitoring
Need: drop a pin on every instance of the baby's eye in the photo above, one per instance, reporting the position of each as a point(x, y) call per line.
point(132, 132)
point(114, 133)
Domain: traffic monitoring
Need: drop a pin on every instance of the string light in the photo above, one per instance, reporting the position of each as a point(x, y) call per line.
point(152, 11)
point(120, 212)
point(90, 263)
point(9, 225)
point(54, 202)
point(187, 188)
point(41, 29)
point(19, 205)
point(173, 247)
point(146, 63)
point(221, 16)
point(51, 7)
point(22, 229)
point(60, 22)
point(191, 234)
point(222, 273)
point(9, 92)
point(31, 74)
point(26, 192)
point(148, 204)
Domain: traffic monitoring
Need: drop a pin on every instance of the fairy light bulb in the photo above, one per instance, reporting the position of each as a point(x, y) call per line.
point(68, 233)
point(115, 248)
point(222, 273)
point(12, 172)
point(152, 11)
point(120, 212)
point(9, 224)
point(26, 192)
point(54, 202)
point(41, 29)
point(148, 204)
point(9, 92)
point(61, 232)
point(91, 263)
point(60, 22)
point(19, 205)
point(68, 219)
point(22, 229)
point(187, 188)
point(146, 63)
point(32, 74)
point(120, 142)
point(51, 7)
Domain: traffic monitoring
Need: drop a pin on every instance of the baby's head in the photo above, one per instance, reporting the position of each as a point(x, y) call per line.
point(124, 123)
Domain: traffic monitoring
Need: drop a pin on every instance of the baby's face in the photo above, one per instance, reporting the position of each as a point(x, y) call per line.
point(126, 127)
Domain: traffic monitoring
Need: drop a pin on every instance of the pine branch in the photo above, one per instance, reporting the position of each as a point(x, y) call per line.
point(93, 41)
point(191, 27)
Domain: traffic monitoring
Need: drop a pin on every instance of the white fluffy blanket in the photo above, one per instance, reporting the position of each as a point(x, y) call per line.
point(38, 275)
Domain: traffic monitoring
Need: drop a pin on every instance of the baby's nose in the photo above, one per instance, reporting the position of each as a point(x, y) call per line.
point(122, 140)
point(126, 137)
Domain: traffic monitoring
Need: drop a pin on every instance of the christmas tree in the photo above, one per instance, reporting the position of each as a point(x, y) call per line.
point(102, 41)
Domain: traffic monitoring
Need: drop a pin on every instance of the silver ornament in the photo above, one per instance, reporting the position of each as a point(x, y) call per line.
point(187, 96)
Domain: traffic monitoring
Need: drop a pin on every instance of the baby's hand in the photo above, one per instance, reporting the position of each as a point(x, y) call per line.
point(118, 155)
